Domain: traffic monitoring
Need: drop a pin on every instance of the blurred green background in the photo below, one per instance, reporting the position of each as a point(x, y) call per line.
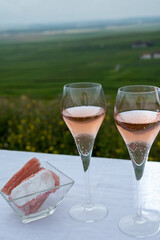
point(34, 68)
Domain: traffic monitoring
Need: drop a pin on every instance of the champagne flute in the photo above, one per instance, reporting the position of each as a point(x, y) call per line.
point(136, 115)
point(83, 110)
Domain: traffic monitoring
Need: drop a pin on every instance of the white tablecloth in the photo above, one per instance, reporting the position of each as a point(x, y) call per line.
point(112, 184)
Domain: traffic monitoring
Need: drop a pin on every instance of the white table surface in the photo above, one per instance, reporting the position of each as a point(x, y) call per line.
point(112, 184)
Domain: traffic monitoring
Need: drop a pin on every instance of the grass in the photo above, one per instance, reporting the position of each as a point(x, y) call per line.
point(41, 68)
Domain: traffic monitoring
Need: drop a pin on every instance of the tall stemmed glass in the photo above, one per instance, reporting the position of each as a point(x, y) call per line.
point(137, 118)
point(83, 110)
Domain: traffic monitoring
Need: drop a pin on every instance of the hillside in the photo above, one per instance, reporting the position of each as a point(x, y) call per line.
point(40, 65)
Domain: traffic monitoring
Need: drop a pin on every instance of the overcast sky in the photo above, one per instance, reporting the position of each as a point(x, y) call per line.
point(59, 11)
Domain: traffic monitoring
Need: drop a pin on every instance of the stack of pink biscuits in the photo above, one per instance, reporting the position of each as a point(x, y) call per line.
point(31, 178)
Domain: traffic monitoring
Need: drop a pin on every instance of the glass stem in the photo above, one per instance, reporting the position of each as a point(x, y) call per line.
point(87, 186)
point(139, 200)
point(86, 167)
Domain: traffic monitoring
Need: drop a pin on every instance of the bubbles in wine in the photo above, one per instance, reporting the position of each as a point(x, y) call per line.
point(139, 153)
point(84, 143)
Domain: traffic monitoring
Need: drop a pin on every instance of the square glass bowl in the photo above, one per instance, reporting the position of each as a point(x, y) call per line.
point(43, 203)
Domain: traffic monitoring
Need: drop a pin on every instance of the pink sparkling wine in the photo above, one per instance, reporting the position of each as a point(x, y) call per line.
point(84, 123)
point(138, 128)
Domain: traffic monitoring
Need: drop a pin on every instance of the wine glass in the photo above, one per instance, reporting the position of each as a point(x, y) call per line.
point(83, 110)
point(136, 115)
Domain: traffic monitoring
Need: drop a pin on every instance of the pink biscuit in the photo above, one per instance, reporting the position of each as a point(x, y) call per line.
point(43, 179)
point(31, 167)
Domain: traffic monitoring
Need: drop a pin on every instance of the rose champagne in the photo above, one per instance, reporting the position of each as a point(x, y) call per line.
point(84, 123)
point(138, 128)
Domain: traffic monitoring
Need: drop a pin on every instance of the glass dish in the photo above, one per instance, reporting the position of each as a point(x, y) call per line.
point(48, 199)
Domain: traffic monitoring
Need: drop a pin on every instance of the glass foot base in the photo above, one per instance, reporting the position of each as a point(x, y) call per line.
point(88, 213)
point(145, 227)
